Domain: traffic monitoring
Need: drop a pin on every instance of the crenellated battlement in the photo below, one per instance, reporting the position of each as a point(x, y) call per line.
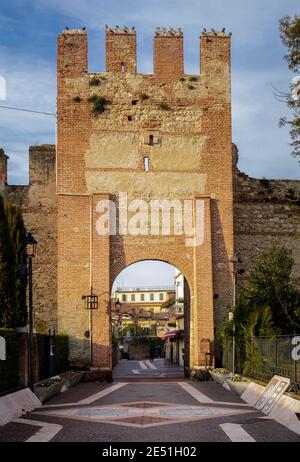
point(121, 51)
point(42, 160)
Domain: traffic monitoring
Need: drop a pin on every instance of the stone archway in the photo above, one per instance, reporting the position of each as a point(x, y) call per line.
point(187, 296)
point(111, 254)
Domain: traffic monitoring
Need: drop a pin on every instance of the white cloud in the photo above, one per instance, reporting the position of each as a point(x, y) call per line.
point(264, 147)
point(31, 84)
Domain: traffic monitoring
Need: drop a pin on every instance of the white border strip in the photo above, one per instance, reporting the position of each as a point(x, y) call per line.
point(91, 398)
point(45, 434)
point(236, 433)
point(150, 365)
point(142, 365)
point(200, 397)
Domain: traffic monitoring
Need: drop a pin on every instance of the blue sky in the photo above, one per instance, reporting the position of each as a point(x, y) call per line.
point(28, 59)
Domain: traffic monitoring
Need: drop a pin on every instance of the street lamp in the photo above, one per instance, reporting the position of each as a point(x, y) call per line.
point(118, 311)
point(30, 244)
point(235, 260)
point(117, 306)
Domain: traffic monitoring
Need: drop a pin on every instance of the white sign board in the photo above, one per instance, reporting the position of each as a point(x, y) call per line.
point(2, 349)
point(273, 391)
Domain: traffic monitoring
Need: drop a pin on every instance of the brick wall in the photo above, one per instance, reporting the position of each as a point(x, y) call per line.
point(38, 204)
point(266, 213)
point(100, 155)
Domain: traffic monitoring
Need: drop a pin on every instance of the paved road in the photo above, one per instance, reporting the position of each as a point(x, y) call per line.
point(144, 369)
point(161, 409)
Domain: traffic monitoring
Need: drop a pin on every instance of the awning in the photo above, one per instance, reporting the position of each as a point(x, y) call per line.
point(172, 334)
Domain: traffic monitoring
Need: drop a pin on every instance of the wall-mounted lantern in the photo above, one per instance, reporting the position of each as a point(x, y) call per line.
point(91, 301)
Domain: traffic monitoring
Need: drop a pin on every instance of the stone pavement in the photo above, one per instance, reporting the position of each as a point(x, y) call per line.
point(145, 369)
point(159, 409)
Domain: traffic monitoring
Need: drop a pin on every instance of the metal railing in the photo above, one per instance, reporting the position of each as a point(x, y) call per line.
point(262, 357)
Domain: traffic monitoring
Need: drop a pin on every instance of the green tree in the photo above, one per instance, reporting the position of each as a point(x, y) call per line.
point(18, 232)
point(270, 284)
point(7, 276)
point(12, 259)
point(270, 302)
point(290, 36)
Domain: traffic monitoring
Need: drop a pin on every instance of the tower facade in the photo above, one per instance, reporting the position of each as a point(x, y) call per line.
point(127, 137)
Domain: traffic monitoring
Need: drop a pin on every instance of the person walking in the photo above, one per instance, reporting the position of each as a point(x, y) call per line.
point(152, 352)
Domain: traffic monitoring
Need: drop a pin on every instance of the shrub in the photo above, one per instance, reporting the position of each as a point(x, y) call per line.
point(99, 104)
point(191, 87)
point(94, 82)
point(193, 78)
point(9, 371)
point(182, 79)
point(144, 96)
point(220, 370)
point(77, 99)
point(254, 364)
point(238, 378)
point(201, 375)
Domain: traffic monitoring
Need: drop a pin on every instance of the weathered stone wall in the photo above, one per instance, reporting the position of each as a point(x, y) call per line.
point(266, 213)
point(38, 204)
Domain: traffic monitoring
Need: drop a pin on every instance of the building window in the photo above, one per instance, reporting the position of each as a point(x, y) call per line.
point(124, 298)
point(146, 164)
point(133, 297)
point(122, 67)
point(151, 140)
point(152, 297)
point(142, 297)
point(161, 297)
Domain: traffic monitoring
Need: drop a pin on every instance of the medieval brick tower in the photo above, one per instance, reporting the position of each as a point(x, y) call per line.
point(160, 136)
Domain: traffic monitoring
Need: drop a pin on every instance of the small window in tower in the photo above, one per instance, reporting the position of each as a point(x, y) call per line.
point(151, 140)
point(122, 67)
point(146, 164)
point(129, 118)
point(134, 102)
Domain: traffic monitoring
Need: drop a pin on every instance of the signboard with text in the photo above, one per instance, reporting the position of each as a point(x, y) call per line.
point(273, 391)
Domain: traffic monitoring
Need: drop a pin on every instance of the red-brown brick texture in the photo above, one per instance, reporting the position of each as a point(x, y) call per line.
point(99, 155)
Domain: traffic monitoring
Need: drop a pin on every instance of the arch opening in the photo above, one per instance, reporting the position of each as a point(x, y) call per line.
point(150, 315)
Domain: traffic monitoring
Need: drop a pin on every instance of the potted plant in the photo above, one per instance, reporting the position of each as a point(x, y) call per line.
point(71, 378)
point(238, 384)
point(220, 374)
point(200, 375)
point(48, 388)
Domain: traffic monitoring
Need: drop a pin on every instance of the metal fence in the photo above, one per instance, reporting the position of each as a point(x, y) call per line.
point(262, 357)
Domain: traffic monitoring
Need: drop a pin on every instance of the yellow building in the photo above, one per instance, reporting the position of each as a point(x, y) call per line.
point(142, 309)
